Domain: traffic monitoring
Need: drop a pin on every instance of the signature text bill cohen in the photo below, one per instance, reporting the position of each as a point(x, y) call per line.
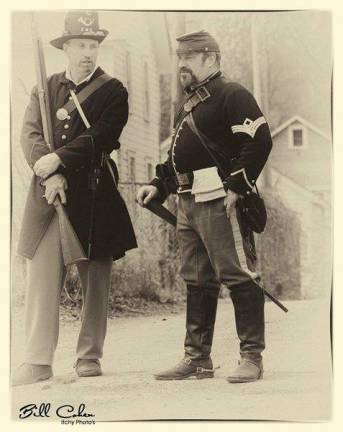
point(68, 413)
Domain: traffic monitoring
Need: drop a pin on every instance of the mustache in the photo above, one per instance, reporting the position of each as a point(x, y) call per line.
point(185, 70)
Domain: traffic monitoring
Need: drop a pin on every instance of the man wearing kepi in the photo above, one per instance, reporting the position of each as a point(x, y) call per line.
point(220, 144)
point(82, 175)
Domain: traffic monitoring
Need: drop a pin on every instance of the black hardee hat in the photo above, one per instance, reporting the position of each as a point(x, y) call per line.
point(200, 41)
point(81, 25)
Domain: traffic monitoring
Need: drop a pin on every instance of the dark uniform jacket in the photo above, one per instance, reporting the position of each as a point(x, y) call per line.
point(236, 131)
point(99, 218)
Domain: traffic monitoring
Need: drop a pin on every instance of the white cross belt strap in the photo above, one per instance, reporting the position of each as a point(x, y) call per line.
point(63, 112)
point(87, 124)
point(80, 110)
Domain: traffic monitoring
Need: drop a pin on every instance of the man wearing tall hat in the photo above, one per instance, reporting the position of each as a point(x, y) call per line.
point(81, 174)
point(220, 144)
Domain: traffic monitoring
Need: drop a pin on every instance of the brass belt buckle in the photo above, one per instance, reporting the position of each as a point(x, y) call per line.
point(183, 179)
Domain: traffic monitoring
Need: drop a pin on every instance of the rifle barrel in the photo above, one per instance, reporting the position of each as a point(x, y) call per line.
point(71, 247)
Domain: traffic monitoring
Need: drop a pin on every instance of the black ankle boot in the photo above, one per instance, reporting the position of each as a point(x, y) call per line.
point(246, 371)
point(248, 302)
point(188, 368)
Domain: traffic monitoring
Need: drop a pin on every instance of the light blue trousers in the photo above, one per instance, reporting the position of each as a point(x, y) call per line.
point(46, 274)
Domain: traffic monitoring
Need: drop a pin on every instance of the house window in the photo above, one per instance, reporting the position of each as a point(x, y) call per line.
point(132, 169)
point(150, 171)
point(297, 137)
point(131, 190)
point(146, 106)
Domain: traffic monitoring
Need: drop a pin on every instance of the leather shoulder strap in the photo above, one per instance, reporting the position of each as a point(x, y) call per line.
point(203, 138)
point(94, 85)
point(199, 96)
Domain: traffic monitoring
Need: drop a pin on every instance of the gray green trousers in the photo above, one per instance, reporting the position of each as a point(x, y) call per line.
point(46, 274)
point(214, 248)
point(217, 249)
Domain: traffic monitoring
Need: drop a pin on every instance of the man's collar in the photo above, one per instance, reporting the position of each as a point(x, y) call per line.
point(193, 87)
point(63, 79)
point(87, 78)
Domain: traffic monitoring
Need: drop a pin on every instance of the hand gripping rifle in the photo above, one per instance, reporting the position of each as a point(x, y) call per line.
point(71, 247)
point(158, 209)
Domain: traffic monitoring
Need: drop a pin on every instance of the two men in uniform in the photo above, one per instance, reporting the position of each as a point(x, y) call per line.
point(220, 144)
point(81, 174)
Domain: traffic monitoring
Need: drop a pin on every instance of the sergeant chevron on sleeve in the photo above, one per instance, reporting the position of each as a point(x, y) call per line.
point(236, 131)
point(220, 143)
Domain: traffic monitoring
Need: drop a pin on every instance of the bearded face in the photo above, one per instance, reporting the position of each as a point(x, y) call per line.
point(193, 68)
point(187, 77)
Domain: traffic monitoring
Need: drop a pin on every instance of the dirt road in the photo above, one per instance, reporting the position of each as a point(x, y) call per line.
point(296, 385)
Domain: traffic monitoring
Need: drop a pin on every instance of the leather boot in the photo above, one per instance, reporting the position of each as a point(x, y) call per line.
point(188, 368)
point(200, 320)
point(246, 371)
point(29, 373)
point(248, 302)
point(88, 367)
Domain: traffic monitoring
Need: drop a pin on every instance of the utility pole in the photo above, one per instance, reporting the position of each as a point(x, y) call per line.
point(255, 61)
point(256, 74)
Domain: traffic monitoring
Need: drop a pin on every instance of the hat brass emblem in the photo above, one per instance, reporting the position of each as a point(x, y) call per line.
point(86, 21)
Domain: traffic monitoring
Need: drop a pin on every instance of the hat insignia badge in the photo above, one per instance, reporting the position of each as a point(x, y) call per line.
point(86, 21)
point(62, 114)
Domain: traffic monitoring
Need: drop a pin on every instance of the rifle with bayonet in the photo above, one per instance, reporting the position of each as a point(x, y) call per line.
point(71, 247)
point(159, 210)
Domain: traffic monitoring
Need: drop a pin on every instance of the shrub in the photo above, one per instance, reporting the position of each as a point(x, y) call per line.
point(149, 273)
point(279, 249)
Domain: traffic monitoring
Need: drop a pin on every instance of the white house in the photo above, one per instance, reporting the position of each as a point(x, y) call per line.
point(299, 170)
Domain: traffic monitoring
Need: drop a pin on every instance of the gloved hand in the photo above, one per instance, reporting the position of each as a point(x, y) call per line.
point(47, 165)
point(55, 185)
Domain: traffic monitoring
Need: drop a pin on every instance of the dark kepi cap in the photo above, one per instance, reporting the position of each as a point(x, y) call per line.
point(200, 41)
point(81, 25)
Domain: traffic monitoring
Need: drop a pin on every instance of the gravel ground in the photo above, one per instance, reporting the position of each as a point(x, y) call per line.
point(296, 384)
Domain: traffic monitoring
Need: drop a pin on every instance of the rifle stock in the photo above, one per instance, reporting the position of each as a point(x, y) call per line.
point(71, 248)
point(159, 210)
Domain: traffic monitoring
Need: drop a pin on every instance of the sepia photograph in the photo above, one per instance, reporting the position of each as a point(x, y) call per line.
point(171, 215)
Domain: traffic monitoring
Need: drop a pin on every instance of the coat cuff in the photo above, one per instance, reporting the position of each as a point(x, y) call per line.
point(162, 190)
point(239, 182)
point(37, 151)
point(60, 170)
